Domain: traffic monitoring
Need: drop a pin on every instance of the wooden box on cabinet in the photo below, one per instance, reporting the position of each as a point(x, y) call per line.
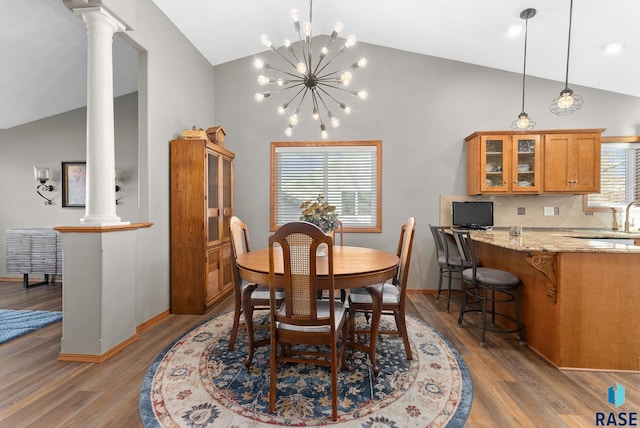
point(201, 206)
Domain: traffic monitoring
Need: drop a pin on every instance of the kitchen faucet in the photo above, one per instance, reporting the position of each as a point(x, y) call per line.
point(626, 218)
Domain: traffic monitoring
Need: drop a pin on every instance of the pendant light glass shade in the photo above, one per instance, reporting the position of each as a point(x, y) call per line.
point(524, 122)
point(568, 102)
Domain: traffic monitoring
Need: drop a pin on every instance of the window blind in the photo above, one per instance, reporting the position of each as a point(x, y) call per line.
point(619, 176)
point(347, 176)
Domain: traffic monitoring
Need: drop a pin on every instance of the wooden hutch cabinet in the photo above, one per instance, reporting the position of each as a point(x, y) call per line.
point(551, 162)
point(201, 206)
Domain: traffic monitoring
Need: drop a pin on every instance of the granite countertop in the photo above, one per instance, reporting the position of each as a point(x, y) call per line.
point(559, 240)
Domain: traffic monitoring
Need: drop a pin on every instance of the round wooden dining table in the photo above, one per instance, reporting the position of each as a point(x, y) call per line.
point(353, 267)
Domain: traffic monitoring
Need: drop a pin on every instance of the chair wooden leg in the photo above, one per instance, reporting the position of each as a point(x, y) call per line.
point(334, 382)
point(401, 324)
point(234, 329)
point(247, 308)
point(272, 378)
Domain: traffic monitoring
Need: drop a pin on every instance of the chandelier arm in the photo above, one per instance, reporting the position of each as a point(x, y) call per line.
point(331, 96)
point(330, 60)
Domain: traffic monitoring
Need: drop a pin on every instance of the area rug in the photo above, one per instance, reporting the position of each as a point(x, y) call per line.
point(196, 382)
point(17, 323)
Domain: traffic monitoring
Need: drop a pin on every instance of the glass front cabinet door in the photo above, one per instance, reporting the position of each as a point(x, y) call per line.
point(509, 164)
point(525, 165)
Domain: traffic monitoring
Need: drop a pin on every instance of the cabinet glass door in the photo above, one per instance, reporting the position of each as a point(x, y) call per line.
point(227, 202)
point(494, 164)
point(526, 168)
point(213, 207)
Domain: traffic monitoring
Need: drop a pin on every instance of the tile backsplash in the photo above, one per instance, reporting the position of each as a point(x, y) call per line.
point(529, 211)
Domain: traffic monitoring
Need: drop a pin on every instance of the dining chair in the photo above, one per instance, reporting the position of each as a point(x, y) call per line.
point(248, 296)
point(487, 286)
point(304, 329)
point(450, 263)
point(393, 293)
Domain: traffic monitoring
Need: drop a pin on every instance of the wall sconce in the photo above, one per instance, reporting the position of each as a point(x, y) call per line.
point(42, 175)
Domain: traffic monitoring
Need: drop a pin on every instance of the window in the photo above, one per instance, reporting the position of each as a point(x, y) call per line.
point(347, 173)
point(619, 174)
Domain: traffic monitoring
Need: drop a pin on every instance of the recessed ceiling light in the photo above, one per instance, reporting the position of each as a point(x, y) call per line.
point(614, 47)
point(514, 30)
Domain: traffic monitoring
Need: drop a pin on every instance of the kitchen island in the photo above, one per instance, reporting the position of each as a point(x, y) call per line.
point(580, 297)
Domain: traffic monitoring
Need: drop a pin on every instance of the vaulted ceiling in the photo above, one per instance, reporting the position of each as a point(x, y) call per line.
point(44, 44)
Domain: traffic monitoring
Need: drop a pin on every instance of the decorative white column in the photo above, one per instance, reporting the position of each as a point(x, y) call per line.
point(100, 208)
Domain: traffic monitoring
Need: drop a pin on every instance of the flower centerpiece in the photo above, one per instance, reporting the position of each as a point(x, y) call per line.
point(320, 213)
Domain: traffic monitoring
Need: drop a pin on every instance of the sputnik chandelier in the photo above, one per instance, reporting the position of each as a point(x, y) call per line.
point(309, 80)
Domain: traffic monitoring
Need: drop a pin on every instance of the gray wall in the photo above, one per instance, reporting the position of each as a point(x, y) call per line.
point(421, 108)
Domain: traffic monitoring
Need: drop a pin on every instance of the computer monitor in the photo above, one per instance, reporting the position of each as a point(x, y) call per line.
point(472, 214)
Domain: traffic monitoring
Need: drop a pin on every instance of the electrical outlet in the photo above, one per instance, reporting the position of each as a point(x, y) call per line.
point(521, 211)
point(549, 211)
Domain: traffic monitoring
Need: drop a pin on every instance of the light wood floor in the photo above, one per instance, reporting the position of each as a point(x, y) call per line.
point(513, 386)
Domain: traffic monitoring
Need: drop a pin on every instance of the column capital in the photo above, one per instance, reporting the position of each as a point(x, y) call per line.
point(91, 14)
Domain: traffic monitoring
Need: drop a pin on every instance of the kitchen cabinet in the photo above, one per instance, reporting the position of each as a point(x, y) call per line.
point(503, 163)
point(572, 163)
point(541, 162)
point(201, 207)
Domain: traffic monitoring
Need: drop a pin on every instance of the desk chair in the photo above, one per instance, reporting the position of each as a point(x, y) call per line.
point(486, 287)
point(249, 297)
point(303, 319)
point(393, 294)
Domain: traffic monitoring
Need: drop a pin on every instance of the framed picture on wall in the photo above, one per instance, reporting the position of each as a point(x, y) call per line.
point(74, 184)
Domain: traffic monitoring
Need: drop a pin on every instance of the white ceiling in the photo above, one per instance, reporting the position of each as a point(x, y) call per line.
point(45, 44)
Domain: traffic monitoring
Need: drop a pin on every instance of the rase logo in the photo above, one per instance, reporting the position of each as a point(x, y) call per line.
point(615, 396)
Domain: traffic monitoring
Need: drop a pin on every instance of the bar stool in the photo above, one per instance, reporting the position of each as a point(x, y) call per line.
point(487, 286)
point(449, 262)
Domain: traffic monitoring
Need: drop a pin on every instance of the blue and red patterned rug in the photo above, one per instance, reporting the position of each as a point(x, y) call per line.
point(196, 382)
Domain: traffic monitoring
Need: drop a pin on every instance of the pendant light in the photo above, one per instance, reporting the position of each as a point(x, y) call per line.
point(524, 122)
point(568, 102)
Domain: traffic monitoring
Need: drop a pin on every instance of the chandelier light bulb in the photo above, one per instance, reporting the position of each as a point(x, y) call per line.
point(283, 108)
point(293, 119)
point(338, 27)
point(288, 131)
point(345, 108)
point(306, 27)
point(335, 122)
point(345, 78)
point(280, 82)
point(262, 95)
point(315, 114)
point(362, 63)
point(323, 52)
point(286, 43)
point(295, 15)
point(323, 131)
point(363, 95)
point(301, 68)
point(351, 40)
point(262, 80)
point(265, 40)
point(258, 64)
